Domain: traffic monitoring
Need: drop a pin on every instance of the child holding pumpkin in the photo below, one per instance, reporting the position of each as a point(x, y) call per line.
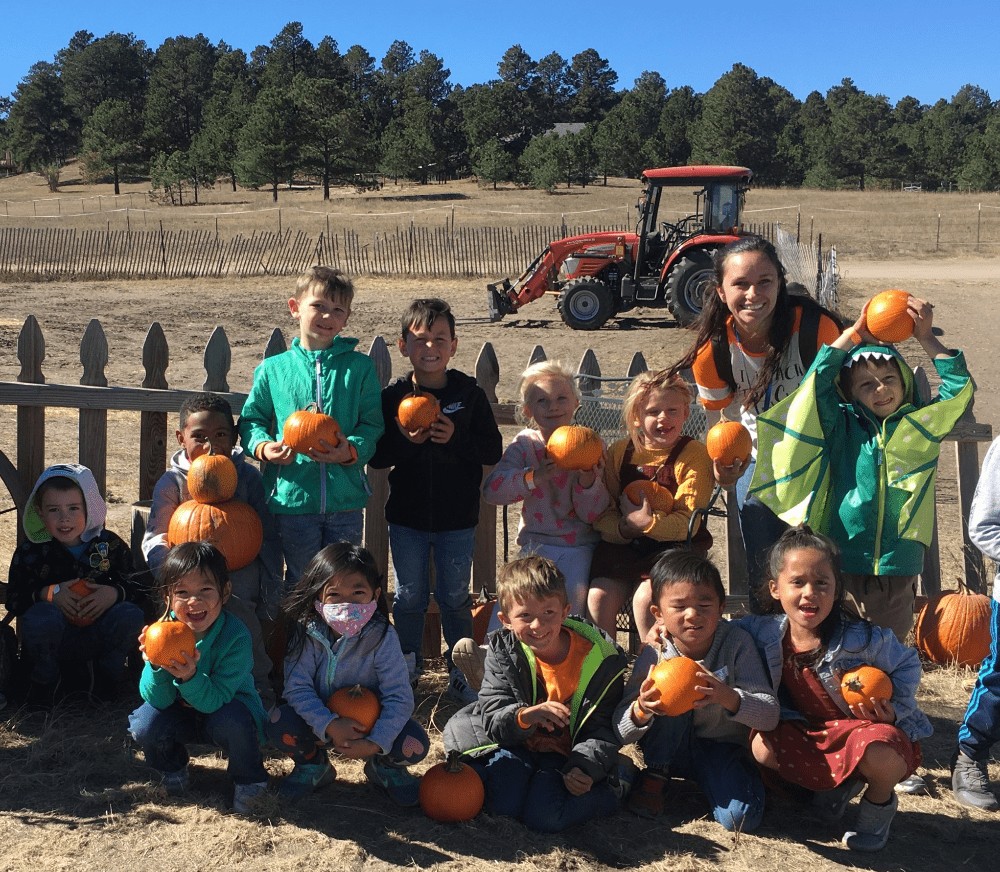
point(317, 497)
point(72, 588)
point(209, 694)
point(706, 736)
point(636, 531)
point(206, 426)
point(436, 470)
point(339, 636)
point(822, 742)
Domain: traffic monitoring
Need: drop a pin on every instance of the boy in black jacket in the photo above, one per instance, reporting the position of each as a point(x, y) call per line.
point(434, 484)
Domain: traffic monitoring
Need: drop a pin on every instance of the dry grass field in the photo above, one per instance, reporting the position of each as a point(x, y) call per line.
point(74, 794)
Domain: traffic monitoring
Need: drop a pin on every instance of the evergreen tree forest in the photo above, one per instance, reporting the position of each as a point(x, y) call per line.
point(191, 114)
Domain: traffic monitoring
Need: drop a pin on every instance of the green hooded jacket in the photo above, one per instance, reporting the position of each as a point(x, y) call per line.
point(868, 484)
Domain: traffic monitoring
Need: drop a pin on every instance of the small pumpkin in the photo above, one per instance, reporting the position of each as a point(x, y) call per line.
point(573, 446)
point(887, 317)
point(80, 588)
point(676, 681)
point(212, 478)
point(233, 527)
point(304, 429)
point(168, 640)
point(418, 411)
point(727, 442)
point(859, 686)
point(451, 791)
point(357, 703)
point(954, 627)
point(660, 499)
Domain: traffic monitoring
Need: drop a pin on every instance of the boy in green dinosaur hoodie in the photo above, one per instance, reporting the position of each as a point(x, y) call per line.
point(853, 452)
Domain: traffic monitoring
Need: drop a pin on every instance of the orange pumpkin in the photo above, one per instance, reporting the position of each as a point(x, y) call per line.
point(675, 680)
point(862, 684)
point(303, 431)
point(451, 791)
point(211, 478)
point(660, 499)
point(954, 627)
point(887, 317)
point(233, 527)
point(80, 588)
point(357, 703)
point(575, 447)
point(727, 442)
point(166, 641)
point(418, 412)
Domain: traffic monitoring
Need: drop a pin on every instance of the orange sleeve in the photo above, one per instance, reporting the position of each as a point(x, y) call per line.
point(713, 392)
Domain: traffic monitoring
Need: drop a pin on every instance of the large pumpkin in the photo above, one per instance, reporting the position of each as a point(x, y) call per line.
point(954, 627)
point(211, 478)
point(575, 447)
point(418, 412)
point(80, 588)
point(357, 703)
point(166, 641)
point(727, 442)
point(451, 791)
point(660, 499)
point(675, 680)
point(233, 527)
point(887, 317)
point(304, 429)
point(859, 686)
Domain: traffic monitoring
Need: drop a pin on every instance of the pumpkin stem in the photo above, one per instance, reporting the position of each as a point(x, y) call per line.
point(454, 762)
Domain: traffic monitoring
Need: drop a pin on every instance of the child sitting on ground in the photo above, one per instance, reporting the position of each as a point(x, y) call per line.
point(72, 589)
point(209, 697)
point(340, 636)
point(542, 726)
point(710, 743)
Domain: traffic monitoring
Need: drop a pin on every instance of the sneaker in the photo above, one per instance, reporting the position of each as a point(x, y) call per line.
point(830, 805)
point(244, 796)
point(176, 783)
point(621, 780)
point(872, 826)
point(915, 785)
point(970, 782)
point(647, 797)
point(305, 778)
point(458, 688)
point(470, 658)
point(395, 781)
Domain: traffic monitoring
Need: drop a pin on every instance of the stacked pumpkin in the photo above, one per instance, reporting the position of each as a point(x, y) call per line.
point(212, 515)
point(954, 627)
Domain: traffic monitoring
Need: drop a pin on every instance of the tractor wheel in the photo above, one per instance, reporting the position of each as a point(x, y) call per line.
point(692, 277)
point(586, 304)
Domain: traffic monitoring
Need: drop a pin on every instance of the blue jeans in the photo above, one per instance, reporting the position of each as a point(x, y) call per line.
point(529, 787)
point(304, 536)
point(724, 771)
point(163, 733)
point(981, 725)
point(760, 529)
point(288, 732)
point(411, 550)
point(49, 639)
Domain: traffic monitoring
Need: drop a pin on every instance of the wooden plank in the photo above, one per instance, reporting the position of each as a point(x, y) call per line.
point(30, 420)
point(967, 457)
point(376, 529)
point(218, 362)
point(93, 426)
point(153, 425)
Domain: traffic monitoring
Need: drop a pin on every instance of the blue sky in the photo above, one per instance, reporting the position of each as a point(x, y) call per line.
point(924, 49)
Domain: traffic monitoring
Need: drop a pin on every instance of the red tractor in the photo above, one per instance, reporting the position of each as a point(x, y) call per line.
point(598, 275)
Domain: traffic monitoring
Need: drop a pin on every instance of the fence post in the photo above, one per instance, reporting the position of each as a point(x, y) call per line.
point(484, 558)
point(937, 241)
point(376, 531)
point(153, 425)
point(30, 419)
point(93, 429)
point(979, 222)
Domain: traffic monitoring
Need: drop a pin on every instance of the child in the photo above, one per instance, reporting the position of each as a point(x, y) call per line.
point(980, 728)
point(62, 628)
point(635, 535)
point(709, 743)
point(206, 698)
point(754, 343)
point(316, 498)
point(863, 468)
point(434, 485)
point(542, 727)
point(206, 423)
point(821, 742)
point(339, 636)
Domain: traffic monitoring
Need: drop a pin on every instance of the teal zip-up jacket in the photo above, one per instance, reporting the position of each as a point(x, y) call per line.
point(868, 484)
point(343, 384)
point(511, 682)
